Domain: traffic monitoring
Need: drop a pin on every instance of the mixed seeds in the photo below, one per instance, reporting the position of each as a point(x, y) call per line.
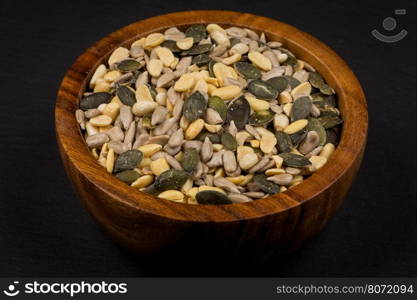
point(209, 115)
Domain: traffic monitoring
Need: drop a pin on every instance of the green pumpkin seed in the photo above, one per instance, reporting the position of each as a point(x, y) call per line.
point(294, 160)
point(261, 117)
point(280, 83)
point(330, 120)
point(190, 160)
point(210, 67)
point(126, 95)
point(315, 79)
point(315, 125)
point(301, 108)
point(262, 90)
point(151, 190)
point(213, 137)
point(293, 83)
point(322, 101)
point(171, 180)
point(201, 60)
point(248, 70)
point(234, 41)
point(228, 141)
point(128, 65)
point(152, 90)
point(171, 45)
point(298, 137)
point(218, 105)
point(327, 90)
point(291, 61)
point(128, 160)
point(197, 32)
point(128, 176)
point(332, 137)
point(194, 106)
point(198, 49)
point(266, 185)
point(212, 197)
point(239, 111)
point(94, 100)
point(284, 142)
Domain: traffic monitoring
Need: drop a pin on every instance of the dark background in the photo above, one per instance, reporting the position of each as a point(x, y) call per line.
point(45, 231)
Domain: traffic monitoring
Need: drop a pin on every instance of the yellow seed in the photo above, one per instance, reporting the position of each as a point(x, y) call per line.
point(210, 188)
point(193, 68)
point(185, 82)
point(237, 179)
point(112, 110)
point(296, 180)
point(260, 60)
point(221, 71)
point(248, 178)
point(104, 128)
point(192, 192)
point(119, 54)
point(287, 109)
point(165, 55)
point(212, 128)
point(149, 149)
point(187, 186)
point(219, 173)
point(94, 152)
point(217, 147)
point(143, 93)
point(90, 128)
point(200, 86)
point(179, 156)
point(316, 162)
point(110, 161)
point(267, 143)
point(242, 151)
point(220, 37)
point(186, 43)
point(256, 104)
point(214, 27)
point(194, 129)
point(283, 189)
point(99, 73)
point(212, 81)
point(155, 67)
point(142, 181)
point(140, 42)
point(278, 161)
point(295, 151)
point(241, 137)
point(274, 171)
point(102, 155)
point(210, 89)
point(153, 40)
point(228, 92)
point(303, 89)
point(232, 59)
point(116, 100)
point(112, 76)
point(101, 120)
point(255, 143)
point(172, 195)
point(101, 86)
point(327, 150)
point(296, 126)
point(145, 162)
point(191, 201)
point(159, 166)
point(284, 97)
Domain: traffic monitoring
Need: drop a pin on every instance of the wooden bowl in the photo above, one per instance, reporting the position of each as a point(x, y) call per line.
point(258, 229)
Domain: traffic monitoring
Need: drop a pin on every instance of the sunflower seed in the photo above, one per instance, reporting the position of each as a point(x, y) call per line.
point(281, 179)
point(229, 159)
point(206, 150)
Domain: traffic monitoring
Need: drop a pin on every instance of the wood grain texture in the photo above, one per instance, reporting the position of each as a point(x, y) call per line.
point(277, 224)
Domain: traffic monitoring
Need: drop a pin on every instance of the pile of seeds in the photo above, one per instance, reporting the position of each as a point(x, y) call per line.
point(209, 116)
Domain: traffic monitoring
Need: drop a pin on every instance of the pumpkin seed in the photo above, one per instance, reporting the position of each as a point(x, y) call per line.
point(212, 197)
point(248, 70)
point(171, 45)
point(291, 61)
point(330, 120)
point(239, 112)
point(210, 67)
point(197, 32)
point(301, 108)
point(284, 142)
point(315, 125)
point(294, 160)
point(171, 180)
point(151, 190)
point(126, 95)
point(128, 65)
point(332, 137)
point(218, 105)
point(293, 83)
point(128, 160)
point(297, 137)
point(213, 137)
point(265, 185)
point(198, 49)
point(234, 41)
point(315, 79)
point(94, 100)
point(262, 90)
point(128, 176)
point(194, 106)
point(280, 83)
point(201, 60)
point(327, 90)
point(261, 117)
point(228, 141)
point(190, 160)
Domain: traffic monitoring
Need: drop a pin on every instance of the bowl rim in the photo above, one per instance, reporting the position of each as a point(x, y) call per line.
point(332, 67)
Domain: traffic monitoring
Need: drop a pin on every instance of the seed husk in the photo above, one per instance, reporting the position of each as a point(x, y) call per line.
point(261, 117)
point(280, 83)
point(228, 141)
point(315, 125)
point(284, 142)
point(126, 95)
point(128, 176)
point(218, 105)
point(190, 160)
point(294, 160)
point(194, 106)
point(198, 49)
point(212, 197)
point(94, 100)
point(197, 32)
point(301, 108)
point(262, 90)
point(128, 65)
point(128, 160)
point(248, 70)
point(171, 180)
point(265, 185)
point(239, 112)
point(201, 60)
